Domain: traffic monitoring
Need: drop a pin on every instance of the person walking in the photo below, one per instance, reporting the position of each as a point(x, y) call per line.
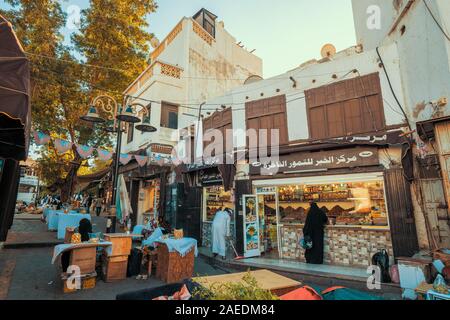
point(314, 230)
point(98, 206)
point(220, 232)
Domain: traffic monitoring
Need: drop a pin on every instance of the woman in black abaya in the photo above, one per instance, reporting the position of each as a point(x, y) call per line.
point(314, 225)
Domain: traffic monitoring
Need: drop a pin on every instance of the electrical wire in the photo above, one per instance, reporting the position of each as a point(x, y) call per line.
point(436, 20)
point(392, 89)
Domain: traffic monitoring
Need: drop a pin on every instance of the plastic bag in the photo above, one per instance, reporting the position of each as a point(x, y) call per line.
point(381, 259)
point(393, 272)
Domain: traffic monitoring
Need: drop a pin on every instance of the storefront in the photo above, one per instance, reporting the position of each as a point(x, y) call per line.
point(149, 196)
point(355, 203)
point(214, 198)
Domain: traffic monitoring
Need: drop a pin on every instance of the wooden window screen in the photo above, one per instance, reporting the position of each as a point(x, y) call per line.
point(269, 113)
point(348, 107)
point(221, 121)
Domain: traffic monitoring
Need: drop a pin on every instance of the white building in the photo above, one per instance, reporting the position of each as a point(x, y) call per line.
point(28, 183)
point(197, 60)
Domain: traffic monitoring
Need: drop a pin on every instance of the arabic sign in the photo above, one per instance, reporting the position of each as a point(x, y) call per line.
point(391, 137)
point(307, 161)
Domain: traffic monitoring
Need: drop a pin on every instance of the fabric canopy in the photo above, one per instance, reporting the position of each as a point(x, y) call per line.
point(15, 111)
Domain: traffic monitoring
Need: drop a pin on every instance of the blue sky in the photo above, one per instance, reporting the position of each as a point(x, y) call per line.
point(285, 33)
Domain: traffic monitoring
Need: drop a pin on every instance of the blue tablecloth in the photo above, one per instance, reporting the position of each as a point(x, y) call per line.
point(182, 246)
point(137, 230)
point(69, 220)
point(53, 218)
point(60, 248)
point(155, 236)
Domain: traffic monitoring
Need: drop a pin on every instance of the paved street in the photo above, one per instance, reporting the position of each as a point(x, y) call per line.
point(26, 272)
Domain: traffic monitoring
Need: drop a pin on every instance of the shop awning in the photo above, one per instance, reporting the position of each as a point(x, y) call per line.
point(425, 129)
point(15, 111)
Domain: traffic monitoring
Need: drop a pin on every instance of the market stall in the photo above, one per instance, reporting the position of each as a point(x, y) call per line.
point(358, 221)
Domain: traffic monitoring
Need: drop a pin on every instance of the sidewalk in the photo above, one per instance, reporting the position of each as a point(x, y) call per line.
point(320, 275)
point(29, 231)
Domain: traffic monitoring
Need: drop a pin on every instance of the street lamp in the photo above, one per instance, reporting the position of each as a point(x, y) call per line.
point(127, 114)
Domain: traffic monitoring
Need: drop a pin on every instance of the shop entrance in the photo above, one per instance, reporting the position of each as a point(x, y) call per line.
point(268, 218)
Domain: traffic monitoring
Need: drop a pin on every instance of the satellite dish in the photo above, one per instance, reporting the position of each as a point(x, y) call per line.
point(155, 42)
point(328, 51)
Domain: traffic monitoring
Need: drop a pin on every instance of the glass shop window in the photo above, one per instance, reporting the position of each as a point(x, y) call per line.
point(214, 198)
point(355, 203)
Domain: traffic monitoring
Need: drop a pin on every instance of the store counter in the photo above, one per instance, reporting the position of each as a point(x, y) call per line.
point(343, 245)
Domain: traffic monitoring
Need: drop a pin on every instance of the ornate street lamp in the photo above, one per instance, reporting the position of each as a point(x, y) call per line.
point(145, 125)
point(110, 106)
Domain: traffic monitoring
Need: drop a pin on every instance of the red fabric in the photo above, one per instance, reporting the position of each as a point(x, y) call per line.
point(183, 294)
point(303, 293)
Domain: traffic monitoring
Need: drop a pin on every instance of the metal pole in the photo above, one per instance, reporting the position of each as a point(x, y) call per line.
point(116, 172)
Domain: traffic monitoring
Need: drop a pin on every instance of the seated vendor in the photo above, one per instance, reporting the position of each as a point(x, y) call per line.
point(84, 228)
point(150, 224)
point(162, 223)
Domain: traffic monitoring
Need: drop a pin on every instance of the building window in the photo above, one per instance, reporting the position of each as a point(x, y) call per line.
point(346, 108)
point(130, 132)
point(221, 121)
point(169, 115)
point(207, 20)
point(268, 114)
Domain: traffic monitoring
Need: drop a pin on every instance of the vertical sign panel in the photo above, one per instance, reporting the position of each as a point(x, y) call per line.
point(251, 227)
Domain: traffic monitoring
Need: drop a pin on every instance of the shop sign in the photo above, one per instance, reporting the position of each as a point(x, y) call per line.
point(391, 137)
point(266, 189)
point(310, 161)
point(251, 227)
point(210, 175)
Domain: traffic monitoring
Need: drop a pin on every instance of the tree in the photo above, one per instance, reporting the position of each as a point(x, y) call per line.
point(62, 86)
point(113, 35)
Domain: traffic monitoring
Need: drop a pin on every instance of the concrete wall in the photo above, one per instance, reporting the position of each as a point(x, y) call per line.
point(423, 50)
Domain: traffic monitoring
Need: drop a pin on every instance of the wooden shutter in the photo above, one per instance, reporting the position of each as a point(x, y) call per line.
point(268, 114)
point(400, 211)
point(221, 121)
point(347, 107)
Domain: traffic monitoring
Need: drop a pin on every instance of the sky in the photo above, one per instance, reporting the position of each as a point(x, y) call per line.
point(285, 33)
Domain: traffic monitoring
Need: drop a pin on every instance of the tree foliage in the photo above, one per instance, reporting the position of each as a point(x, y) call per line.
point(112, 38)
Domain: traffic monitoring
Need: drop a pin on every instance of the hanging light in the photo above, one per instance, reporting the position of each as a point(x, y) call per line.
point(92, 116)
point(128, 116)
point(145, 125)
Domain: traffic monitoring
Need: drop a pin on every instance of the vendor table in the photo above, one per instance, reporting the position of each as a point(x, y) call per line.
point(176, 259)
point(69, 220)
point(266, 279)
point(53, 218)
point(60, 248)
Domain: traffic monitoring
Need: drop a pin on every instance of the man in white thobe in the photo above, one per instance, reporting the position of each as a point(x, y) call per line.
point(220, 232)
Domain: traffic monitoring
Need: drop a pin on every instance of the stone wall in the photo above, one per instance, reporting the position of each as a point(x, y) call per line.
point(342, 246)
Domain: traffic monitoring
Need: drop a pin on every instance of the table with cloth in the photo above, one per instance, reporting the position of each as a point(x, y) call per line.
point(69, 220)
point(52, 217)
point(176, 259)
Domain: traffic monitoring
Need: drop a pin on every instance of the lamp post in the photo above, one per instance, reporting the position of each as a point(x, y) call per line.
point(125, 113)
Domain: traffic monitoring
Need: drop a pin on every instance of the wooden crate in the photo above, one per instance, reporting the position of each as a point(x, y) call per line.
point(114, 268)
point(171, 267)
point(121, 244)
point(84, 258)
point(87, 281)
